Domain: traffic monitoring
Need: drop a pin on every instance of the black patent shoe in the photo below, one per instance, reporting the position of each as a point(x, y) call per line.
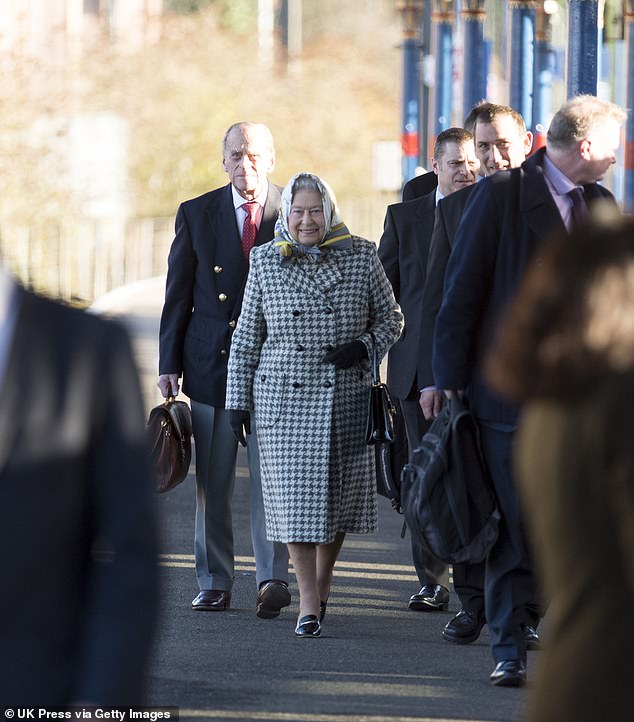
point(509, 673)
point(464, 628)
point(531, 637)
point(431, 598)
point(212, 600)
point(308, 626)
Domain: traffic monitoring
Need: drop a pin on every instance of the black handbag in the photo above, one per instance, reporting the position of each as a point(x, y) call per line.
point(380, 427)
point(380, 432)
point(169, 429)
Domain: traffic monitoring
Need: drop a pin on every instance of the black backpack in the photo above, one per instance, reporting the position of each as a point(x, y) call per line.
point(446, 492)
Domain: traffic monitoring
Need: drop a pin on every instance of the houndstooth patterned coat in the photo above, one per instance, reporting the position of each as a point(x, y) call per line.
point(318, 474)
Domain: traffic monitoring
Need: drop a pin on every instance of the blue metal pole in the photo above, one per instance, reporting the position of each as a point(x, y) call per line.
point(583, 47)
point(475, 84)
point(426, 84)
point(443, 20)
point(522, 56)
point(542, 79)
point(411, 12)
point(409, 138)
point(628, 192)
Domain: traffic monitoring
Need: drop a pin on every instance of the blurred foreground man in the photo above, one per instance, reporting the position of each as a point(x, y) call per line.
point(207, 269)
point(506, 220)
point(403, 252)
point(77, 528)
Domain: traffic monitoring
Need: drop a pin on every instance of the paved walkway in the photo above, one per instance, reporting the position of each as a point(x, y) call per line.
point(376, 661)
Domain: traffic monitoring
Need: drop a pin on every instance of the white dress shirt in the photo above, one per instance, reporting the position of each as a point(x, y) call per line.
point(241, 214)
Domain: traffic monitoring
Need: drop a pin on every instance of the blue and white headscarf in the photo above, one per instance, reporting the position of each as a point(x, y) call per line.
point(336, 236)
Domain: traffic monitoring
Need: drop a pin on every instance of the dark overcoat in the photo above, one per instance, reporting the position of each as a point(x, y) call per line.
point(403, 252)
point(507, 218)
point(77, 530)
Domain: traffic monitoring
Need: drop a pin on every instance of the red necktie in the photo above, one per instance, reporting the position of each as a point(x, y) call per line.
point(249, 229)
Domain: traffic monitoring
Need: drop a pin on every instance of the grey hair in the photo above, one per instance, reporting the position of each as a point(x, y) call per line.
point(243, 124)
point(578, 118)
point(306, 182)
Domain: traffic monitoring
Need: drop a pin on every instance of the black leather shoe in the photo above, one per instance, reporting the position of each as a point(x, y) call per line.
point(431, 598)
point(464, 628)
point(272, 597)
point(308, 626)
point(509, 673)
point(532, 638)
point(211, 600)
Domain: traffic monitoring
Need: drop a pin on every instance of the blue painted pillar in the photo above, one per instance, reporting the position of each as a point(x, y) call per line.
point(521, 57)
point(426, 77)
point(442, 21)
point(628, 192)
point(542, 79)
point(475, 71)
point(583, 47)
point(411, 14)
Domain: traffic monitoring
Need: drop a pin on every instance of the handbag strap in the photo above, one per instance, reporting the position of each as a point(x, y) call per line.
point(376, 371)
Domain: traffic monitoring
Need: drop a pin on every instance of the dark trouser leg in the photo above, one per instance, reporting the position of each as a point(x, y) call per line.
point(509, 586)
point(468, 582)
point(428, 568)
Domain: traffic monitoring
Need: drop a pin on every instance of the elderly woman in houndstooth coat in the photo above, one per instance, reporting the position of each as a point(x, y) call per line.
point(299, 364)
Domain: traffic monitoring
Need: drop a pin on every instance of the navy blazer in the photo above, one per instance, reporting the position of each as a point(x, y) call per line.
point(403, 252)
point(507, 218)
point(205, 281)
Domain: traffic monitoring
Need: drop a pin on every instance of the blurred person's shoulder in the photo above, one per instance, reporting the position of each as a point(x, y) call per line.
point(56, 316)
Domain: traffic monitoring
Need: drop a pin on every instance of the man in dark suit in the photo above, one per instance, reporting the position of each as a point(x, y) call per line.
point(208, 264)
point(420, 185)
point(507, 218)
point(77, 526)
point(403, 252)
point(501, 142)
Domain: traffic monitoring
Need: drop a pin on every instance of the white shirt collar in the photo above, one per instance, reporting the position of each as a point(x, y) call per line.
point(238, 200)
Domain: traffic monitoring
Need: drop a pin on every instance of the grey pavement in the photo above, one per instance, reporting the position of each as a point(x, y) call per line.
point(375, 662)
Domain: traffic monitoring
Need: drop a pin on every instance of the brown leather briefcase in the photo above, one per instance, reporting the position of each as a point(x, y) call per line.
point(169, 429)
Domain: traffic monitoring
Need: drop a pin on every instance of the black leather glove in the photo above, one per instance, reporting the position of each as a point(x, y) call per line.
point(346, 354)
point(240, 422)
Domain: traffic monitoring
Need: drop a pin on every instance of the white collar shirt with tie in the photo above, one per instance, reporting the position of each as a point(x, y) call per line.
point(241, 213)
point(560, 186)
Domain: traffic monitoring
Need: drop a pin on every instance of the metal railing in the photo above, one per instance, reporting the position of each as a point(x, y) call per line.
point(79, 260)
